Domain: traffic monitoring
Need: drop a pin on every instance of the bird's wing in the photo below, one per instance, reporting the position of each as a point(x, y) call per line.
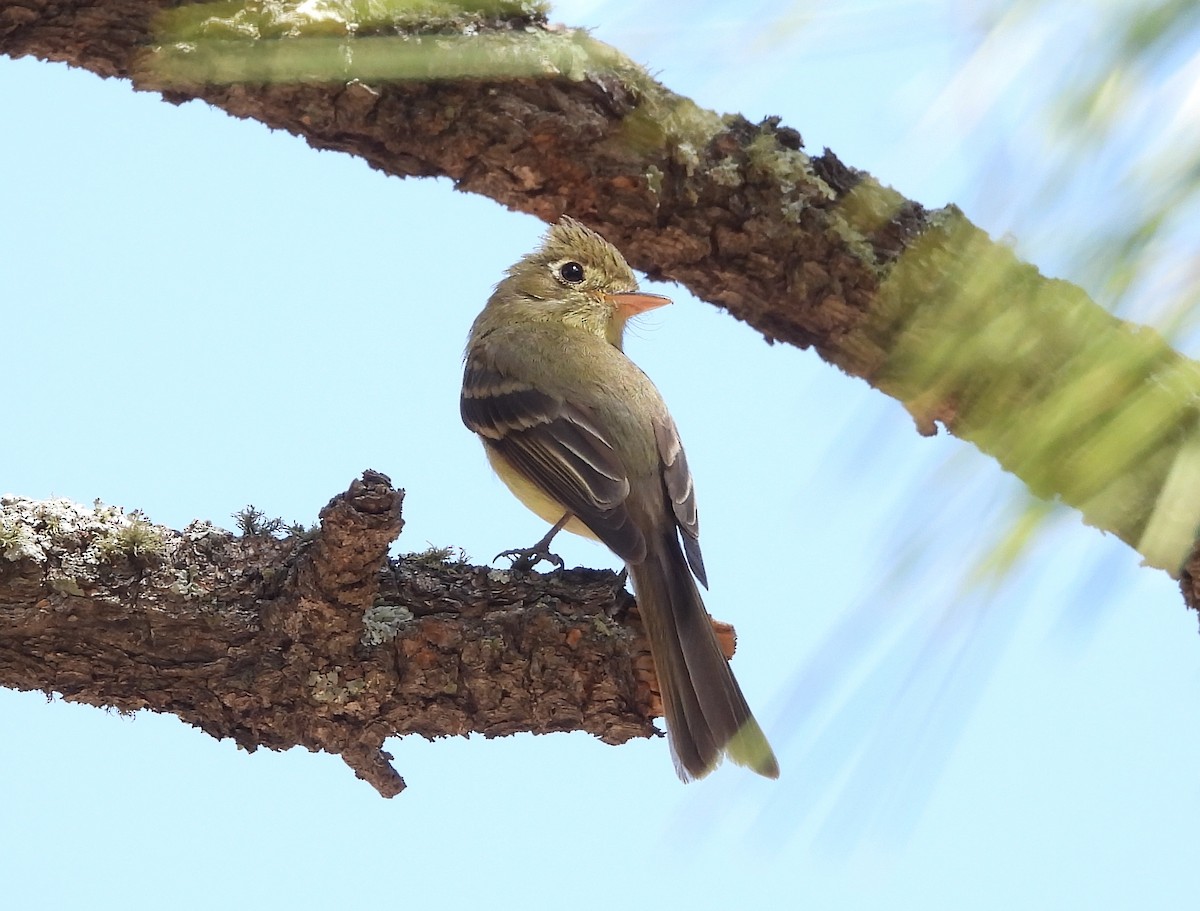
point(559, 447)
point(678, 481)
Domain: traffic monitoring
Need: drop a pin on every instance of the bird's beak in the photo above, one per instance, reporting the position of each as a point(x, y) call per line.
point(631, 303)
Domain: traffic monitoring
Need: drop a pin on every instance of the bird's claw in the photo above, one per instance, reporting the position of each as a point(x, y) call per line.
point(525, 559)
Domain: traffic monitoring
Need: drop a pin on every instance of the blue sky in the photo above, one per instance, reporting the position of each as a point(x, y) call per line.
point(199, 313)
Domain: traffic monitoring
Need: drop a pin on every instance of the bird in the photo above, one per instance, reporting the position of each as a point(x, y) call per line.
point(582, 437)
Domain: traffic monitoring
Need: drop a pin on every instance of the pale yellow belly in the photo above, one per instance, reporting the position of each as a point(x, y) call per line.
point(532, 496)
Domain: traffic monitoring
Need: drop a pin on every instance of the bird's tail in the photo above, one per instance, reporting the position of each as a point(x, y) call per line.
point(707, 715)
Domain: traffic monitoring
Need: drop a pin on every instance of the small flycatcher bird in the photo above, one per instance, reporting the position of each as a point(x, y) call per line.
point(581, 436)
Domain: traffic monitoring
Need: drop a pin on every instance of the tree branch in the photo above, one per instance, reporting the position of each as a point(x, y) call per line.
point(319, 642)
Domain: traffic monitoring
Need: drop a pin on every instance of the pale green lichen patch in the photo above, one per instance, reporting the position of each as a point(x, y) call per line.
point(778, 164)
point(33, 528)
point(326, 687)
point(382, 622)
point(868, 207)
point(78, 537)
point(65, 585)
point(791, 171)
point(726, 173)
point(663, 120)
point(185, 584)
point(604, 627)
point(18, 542)
point(654, 179)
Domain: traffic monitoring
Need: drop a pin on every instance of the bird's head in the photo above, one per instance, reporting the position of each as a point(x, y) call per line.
point(577, 277)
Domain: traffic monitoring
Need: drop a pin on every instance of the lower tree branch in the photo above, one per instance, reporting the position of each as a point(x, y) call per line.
point(312, 640)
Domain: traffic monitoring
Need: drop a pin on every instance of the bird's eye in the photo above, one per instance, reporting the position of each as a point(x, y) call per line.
point(571, 273)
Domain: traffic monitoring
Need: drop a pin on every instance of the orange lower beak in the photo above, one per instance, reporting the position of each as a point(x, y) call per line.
point(631, 303)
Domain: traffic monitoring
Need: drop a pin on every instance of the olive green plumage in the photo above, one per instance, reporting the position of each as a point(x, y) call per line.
point(577, 430)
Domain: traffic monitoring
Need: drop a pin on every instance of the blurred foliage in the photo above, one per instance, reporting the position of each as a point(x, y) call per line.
point(1136, 96)
point(1112, 110)
point(1072, 130)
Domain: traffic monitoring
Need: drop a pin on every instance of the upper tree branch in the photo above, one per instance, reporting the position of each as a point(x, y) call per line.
point(1080, 405)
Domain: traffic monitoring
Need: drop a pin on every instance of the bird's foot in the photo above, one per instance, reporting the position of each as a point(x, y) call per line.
point(526, 558)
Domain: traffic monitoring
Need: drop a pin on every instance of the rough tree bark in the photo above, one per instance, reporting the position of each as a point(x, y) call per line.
point(313, 640)
point(544, 119)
